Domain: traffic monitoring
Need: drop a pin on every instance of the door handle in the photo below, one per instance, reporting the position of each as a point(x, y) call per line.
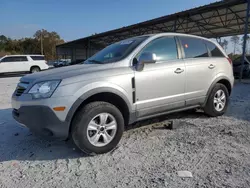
point(211, 66)
point(179, 70)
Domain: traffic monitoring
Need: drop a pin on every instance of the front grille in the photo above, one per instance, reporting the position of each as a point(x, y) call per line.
point(19, 91)
point(21, 87)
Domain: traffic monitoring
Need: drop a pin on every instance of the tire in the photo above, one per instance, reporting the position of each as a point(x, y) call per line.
point(93, 112)
point(212, 108)
point(34, 69)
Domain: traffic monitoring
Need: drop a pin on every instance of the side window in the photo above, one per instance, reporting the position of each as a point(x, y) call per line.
point(22, 58)
point(215, 51)
point(8, 59)
point(14, 59)
point(4, 60)
point(37, 58)
point(194, 47)
point(164, 48)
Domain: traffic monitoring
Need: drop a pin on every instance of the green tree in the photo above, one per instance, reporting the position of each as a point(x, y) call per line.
point(48, 42)
point(30, 46)
point(13, 46)
point(3, 40)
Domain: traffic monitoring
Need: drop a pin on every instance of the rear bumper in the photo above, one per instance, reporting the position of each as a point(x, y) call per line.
point(42, 121)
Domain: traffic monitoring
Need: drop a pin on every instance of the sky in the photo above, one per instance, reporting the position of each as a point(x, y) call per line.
point(73, 19)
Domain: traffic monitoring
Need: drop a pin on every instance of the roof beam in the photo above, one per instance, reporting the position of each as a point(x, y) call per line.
point(200, 25)
point(236, 14)
point(222, 18)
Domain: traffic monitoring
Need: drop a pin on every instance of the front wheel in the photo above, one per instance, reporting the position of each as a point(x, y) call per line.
point(97, 128)
point(217, 101)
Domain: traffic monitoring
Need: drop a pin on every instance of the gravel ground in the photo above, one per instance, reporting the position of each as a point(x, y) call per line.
point(215, 150)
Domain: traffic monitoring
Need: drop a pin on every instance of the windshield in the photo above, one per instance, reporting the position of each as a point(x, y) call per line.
point(116, 51)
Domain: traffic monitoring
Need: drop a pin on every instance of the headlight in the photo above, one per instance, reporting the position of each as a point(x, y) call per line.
point(44, 89)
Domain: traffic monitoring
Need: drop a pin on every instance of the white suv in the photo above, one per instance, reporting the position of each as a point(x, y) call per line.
point(22, 63)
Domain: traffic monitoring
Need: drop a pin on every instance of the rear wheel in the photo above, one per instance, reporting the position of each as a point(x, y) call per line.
point(34, 69)
point(97, 128)
point(217, 101)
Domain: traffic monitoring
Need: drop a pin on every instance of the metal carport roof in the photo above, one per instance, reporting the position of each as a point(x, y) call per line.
point(219, 19)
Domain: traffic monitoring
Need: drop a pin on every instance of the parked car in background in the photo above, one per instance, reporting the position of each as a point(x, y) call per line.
point(50, 63)
point(22, 63)
point(78, 61)
point(61, 63)
point(128, 81)
point(237, 66)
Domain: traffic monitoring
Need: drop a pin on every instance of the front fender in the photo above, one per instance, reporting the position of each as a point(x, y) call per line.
point(95, 88)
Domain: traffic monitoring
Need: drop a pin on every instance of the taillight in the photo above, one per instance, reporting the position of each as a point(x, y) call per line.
point(230, 61)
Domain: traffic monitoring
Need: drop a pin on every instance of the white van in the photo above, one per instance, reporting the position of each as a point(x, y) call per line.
point(22, 63)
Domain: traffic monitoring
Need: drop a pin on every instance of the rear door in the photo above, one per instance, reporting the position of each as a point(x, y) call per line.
point(200, 69)
point(223, 65)
point(23, 64)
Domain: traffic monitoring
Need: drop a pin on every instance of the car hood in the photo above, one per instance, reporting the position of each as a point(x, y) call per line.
point(65, 72)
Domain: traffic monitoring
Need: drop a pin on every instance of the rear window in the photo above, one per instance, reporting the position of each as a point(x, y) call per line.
point(194, 47)
point(215, 51)
point(37, 58)
point(22, 58)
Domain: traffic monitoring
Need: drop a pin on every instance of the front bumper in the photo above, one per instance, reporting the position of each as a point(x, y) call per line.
point(39, 116)
point(41, 120)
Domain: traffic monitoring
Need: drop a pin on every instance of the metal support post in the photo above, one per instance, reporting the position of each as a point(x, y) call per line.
point(245, 39)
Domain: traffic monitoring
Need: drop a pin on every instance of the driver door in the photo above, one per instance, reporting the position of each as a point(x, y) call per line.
point(160, 86)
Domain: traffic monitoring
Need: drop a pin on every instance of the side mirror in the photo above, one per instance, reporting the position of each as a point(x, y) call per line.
point(146, 57)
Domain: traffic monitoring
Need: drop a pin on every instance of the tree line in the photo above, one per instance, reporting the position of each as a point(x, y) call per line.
point(42, 42)
point(237, 44)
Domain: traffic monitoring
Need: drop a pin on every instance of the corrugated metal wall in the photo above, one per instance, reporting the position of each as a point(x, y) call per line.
point(75, 53)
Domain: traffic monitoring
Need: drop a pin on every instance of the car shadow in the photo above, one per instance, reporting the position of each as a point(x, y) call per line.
point(18, 143)
point(169, 118)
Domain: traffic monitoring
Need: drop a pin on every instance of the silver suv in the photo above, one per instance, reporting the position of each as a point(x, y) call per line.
point(128, 81)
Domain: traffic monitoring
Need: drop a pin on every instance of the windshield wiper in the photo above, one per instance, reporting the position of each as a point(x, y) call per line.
point(95, 61)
